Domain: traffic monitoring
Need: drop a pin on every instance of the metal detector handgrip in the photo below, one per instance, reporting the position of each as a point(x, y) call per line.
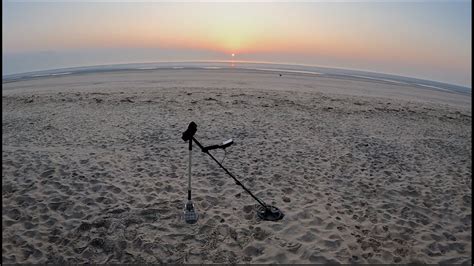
point(189, 133)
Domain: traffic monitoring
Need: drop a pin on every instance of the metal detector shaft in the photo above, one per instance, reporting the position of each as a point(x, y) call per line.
point(189, 168)
point(229, 173)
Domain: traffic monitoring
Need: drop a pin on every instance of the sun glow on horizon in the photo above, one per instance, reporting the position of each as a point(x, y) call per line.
point(392, 37)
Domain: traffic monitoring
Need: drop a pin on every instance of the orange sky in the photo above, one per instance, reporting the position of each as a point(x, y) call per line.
point(423, 35)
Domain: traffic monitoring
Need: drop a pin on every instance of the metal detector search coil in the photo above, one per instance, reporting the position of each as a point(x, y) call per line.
point(264, 212)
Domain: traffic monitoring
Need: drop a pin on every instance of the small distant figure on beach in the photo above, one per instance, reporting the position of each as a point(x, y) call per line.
point(280, 75)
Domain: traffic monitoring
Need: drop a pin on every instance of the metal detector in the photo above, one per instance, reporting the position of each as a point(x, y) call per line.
point(265, 212)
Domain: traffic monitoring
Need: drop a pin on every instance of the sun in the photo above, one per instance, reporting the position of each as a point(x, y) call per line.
point(232, 55)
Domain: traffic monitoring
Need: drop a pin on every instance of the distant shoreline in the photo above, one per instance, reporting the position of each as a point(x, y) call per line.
point(242, 65)
point(212, 77)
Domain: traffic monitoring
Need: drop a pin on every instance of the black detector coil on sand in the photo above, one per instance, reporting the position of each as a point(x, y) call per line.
point(264, 211)
point(269, 213)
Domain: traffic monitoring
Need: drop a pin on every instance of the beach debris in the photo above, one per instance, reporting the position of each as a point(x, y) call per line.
point(48, 127)
point(238, 102)
point(127, 99)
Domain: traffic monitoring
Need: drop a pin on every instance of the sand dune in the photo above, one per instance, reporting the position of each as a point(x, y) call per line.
point(94, 170)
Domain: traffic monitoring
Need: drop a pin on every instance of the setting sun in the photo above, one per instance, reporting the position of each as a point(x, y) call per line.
point(233, 55)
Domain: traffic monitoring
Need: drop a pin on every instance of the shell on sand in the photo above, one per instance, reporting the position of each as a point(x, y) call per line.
point(95, 171)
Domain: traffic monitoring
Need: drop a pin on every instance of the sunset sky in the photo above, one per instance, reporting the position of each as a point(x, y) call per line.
point(430, 40)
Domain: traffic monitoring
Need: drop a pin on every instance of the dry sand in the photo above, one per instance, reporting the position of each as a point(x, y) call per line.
point(94, 169)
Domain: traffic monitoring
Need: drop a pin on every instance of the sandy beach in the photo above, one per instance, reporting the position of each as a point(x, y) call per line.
point(95, 170)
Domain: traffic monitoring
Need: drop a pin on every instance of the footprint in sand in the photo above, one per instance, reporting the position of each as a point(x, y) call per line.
point(253, 251)
point(291, 246)
point(307, 237)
